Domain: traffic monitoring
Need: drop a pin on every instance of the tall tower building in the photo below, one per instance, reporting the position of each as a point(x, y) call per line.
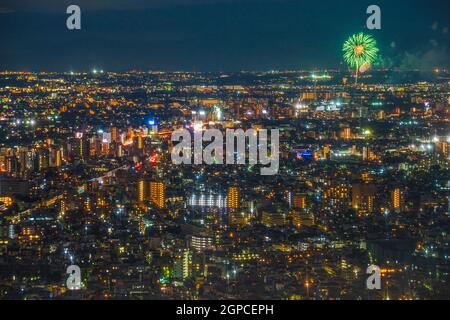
point(2, 163)
point(44, 159)
point(80, 148)
point(114, 134)
point(397, 200)
point(233, 198)
point(58, 160)
point(63, 204)
point(84, 148)
point(181, 264)
point(157, 193)
point(140, 142)
point(141, 191)
point(365, 153)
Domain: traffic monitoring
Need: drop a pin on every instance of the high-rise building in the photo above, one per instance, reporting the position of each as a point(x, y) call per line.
point(295, 218)
point(157, 193)
point(273, 218)
point(363, 197)
point(23, 160)
point(105, 148)
point(200, 242)
point(140, 142)
point(346, 133)
point(327, 152)
point(443, 148)
point(2, 164)
point(336, 194)
point(114, 134)
point(397, 200)
point(239, 218)
point(55, 157)
point(299, 201)
point(233, 198)
point(208, 200)
point(63, 206)
point(141, 191)
point(43, 158)
point(87, 205)
point(181, 264)
point(80, 148)
point(365, 153)
point(298, 219)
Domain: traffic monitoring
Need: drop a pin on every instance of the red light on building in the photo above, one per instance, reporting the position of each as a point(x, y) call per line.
point(153, 159)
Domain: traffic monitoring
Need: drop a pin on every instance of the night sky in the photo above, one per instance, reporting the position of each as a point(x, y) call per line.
point(216, 35)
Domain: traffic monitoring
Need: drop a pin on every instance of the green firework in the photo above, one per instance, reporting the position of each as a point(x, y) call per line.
point(359, 49)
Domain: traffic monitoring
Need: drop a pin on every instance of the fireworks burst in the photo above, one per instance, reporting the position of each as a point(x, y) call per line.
point(360, 49)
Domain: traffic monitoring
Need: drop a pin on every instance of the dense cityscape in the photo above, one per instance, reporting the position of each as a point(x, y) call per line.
point(86, 179)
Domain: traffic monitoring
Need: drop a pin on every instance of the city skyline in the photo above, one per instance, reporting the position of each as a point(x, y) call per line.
point(295, 182)
point(87, 182)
